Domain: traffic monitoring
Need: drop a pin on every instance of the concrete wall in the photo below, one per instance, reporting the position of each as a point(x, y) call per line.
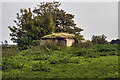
point(69, 42)
point(83, 41)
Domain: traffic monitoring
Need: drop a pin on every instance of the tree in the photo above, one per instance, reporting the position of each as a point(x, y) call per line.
point(5, 43)
point(78, 39)
point(30, 27)
point(117, 41)
point(22, 32)
point(101, 39)
point(48, 18)
point(2, 43)
point(63, 21)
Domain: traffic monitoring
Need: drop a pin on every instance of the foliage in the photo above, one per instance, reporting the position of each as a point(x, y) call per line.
point(9, 51)
point(5, 43)
point(106, 47)
point(48, 18)
point(52, 45)
point(78, 38)
point(35, 42)
point(24, 42)
point(117, 41)
point(80, 44)
point(99, 39)
point(66, 63)
point(62, 20)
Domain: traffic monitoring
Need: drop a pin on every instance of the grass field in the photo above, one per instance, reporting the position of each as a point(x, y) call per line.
point(66, 63)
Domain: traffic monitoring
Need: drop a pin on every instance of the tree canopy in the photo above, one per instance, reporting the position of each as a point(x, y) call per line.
point(63, 21)
point(43, 20)
point(117, 41)
point(101, 39)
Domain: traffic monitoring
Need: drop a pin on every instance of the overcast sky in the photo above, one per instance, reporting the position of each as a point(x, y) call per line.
point(96, 18)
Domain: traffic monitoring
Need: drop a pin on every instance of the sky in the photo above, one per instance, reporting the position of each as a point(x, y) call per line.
point(96, 18)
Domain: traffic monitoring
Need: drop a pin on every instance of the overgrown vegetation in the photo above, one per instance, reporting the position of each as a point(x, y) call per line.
point(31, 59)
point(45, 19)
point(80, 44)
point(53, 61)
point(101, 39)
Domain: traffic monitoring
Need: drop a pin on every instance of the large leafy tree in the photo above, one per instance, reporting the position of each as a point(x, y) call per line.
point(62, 20)
point(45, 19)
point(29, 27)
point(21, 33)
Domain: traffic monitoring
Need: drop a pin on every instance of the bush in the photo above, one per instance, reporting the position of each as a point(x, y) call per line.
point(40, 67)
point(94, 53)
point(87, 44)
point(35, 42)
point(64, 60)
point(117, 41)
point(24, 42)
point(52, 45)
point(53, 61)
point(11, 51)
point(106, 48)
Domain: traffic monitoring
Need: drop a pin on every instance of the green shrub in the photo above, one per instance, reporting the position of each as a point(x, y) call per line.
point(92, 55)
point(80, 52)
point(53, 61)
point(24, 42)
point(40, 67)
point(6, 64)
point(38, 62)
point(40, 57)
point(11, 51)
point(64, 60)
point(35, 42)
point(74, 60)
point(52, 45)
point(106, 47)
point(87, 44)
point(86, 53)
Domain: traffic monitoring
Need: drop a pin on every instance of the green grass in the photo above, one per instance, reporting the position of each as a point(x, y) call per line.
point(85, 68)
point(64, 63)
